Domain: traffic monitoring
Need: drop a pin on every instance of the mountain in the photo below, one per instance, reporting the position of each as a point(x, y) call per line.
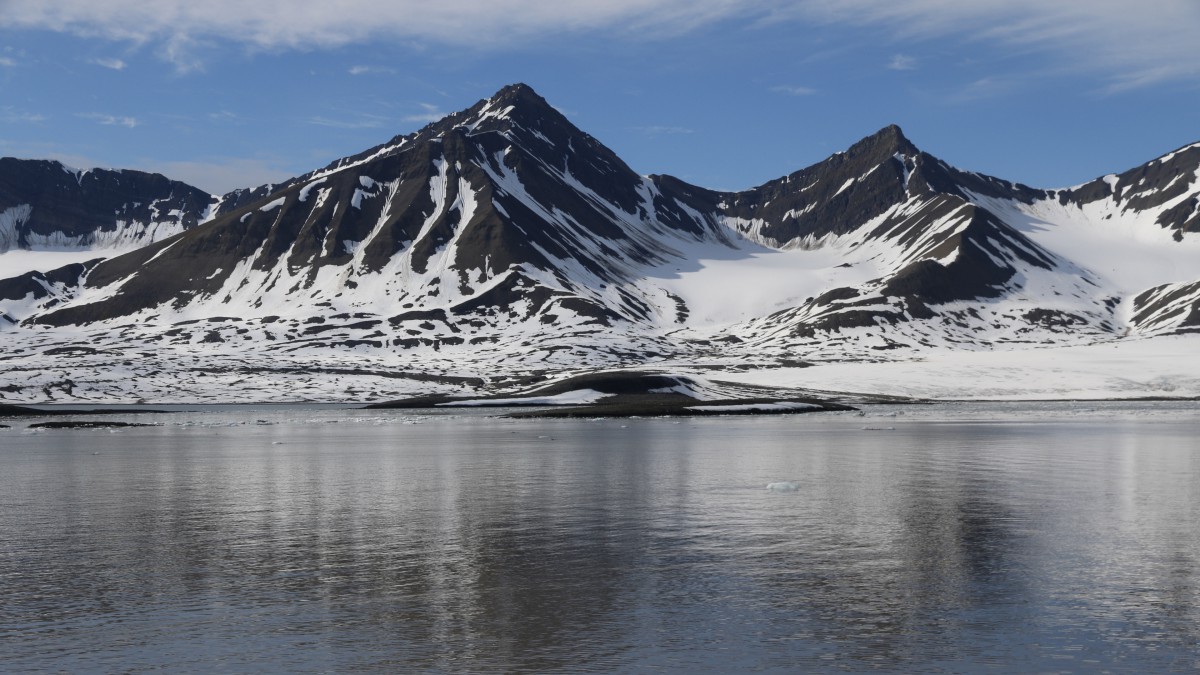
point(502, 241)
point(49, 206)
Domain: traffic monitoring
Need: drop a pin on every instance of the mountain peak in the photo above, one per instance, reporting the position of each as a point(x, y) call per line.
point(515, 103)
point(890, 139)
point(518, 100)
point(518, 91)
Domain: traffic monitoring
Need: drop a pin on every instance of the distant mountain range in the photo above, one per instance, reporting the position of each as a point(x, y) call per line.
point(503, 240)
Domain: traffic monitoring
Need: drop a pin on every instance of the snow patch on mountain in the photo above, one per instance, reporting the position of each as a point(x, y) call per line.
point(308, 188)
point(1127, 249)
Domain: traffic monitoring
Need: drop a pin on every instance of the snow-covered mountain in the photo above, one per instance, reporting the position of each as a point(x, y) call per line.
point(502, 240)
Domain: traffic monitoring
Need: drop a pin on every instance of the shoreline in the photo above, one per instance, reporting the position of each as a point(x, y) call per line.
point(104, 408)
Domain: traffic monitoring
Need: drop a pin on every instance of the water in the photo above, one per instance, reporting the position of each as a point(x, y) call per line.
point(1012, 537)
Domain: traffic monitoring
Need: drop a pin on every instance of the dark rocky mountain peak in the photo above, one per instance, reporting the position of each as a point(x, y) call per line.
point(516, 106)
point(1168, 185)
point(833, 196)
point(519, 102)
point(887, 142)
point(516, 113)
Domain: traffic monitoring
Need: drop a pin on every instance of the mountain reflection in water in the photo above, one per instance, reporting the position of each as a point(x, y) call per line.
point(1030, 538)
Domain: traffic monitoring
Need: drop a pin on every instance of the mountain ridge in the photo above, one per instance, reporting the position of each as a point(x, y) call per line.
point(505, 238)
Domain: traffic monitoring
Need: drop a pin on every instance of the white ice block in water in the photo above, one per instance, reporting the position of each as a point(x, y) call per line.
point(783, 486)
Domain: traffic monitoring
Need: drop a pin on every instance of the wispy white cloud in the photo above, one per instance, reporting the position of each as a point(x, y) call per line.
point(112, 64)
point(371, 70)
point(1137, 46)
point(665, 130)
point(11, 115)
point(182, 50)
point(221, 174)
point(429, 113)
point(110, 120)
point(304, 24)
point(902, 62)
point(793, 90)
point(1130, 46)
point(985, 88)
point(359, 122)
point(7, 62)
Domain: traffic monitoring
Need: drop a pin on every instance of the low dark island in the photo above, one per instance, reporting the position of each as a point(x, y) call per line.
point(8, 410)
point(89, 424)
point(632, 394)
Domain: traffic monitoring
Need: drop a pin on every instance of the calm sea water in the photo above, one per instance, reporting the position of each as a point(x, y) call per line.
point(1018, 537)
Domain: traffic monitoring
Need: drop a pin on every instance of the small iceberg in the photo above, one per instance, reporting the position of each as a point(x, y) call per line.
point(783, 486)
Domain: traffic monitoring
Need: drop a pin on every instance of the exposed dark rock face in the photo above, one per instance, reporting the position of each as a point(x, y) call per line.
point(43, 284)
point(1174, 306)
point(44, 204)
point(836, 196)
point(1151, 185)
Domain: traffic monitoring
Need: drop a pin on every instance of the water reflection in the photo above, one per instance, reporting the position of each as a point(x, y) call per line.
point(472, 543)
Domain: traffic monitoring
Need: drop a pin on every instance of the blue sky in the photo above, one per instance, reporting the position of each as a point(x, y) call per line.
point(722, 93)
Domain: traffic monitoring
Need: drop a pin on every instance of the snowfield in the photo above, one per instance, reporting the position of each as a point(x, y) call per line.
point(19, 261)
point(1167, 366)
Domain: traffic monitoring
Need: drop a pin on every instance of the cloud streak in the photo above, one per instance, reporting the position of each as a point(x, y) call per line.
point(111, 120)
point(665, 130)
point(371, 70)
point(318, 23)
point(430, 113)
point(1131, 47)
point(793, 90)
point(221, 174)
point(11, 115)
point(361, 122)
point(111, 64)
point(902, 62)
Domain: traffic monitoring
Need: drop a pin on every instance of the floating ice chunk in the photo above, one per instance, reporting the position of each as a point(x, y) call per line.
point(783, 486)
